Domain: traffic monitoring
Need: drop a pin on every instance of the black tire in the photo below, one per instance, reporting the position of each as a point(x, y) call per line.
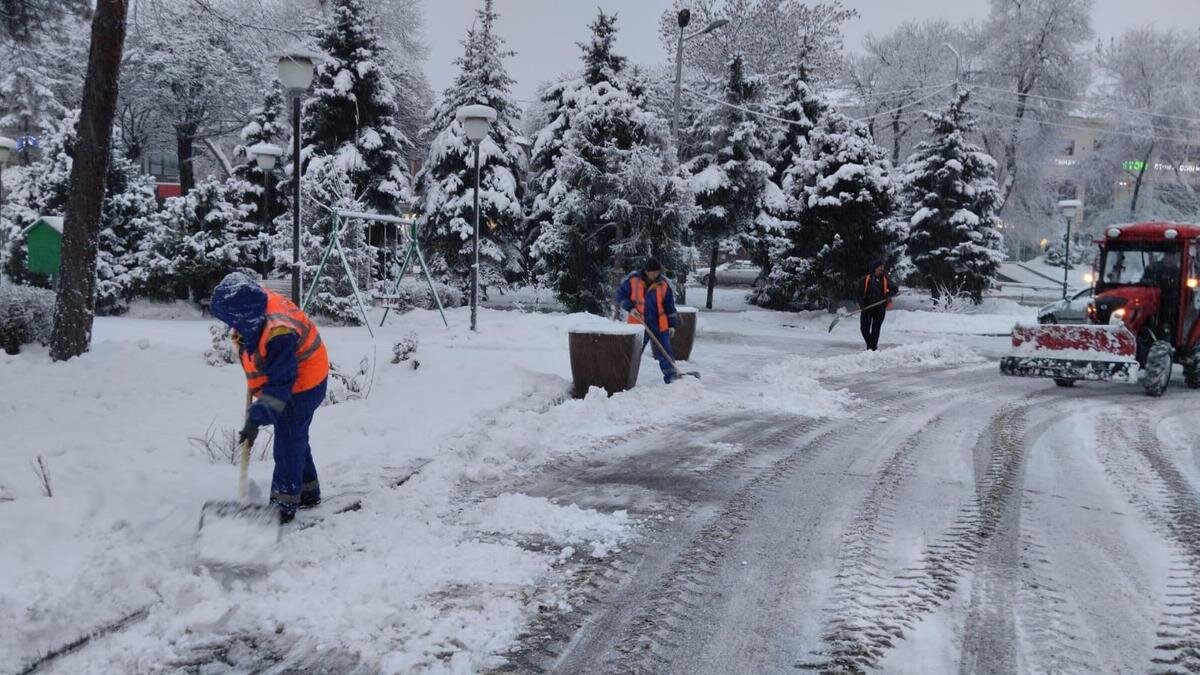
point(1048, 319)
point(1158, 368)
point(1191, 369)
point(1064, 382)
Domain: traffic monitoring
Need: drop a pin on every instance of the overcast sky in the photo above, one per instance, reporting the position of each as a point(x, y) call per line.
point(544, 32)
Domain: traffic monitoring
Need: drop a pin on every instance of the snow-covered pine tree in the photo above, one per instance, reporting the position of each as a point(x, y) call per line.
point(952, 198)
point(124, 220)
point(847, 196)
point(600, 135)
point(731, 179)
point(803, 108)
point(268, 124)
point(354, 152)
point(446, 183)
point(550, 119)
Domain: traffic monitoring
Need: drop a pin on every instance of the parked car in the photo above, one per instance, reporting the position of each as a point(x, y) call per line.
point(734, 273)
point(1069, 310)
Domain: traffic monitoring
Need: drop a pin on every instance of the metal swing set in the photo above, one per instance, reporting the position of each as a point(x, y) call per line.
point(407, 228)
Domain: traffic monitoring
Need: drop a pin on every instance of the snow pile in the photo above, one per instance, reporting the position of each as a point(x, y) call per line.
point(936, 354)
point(788, 388)
point(521, 514)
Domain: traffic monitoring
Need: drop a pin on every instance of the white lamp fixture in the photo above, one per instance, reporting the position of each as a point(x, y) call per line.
point(476, 120)
point(266, 154)
point(296, 70)
point(7, 147)
point(1068, 207)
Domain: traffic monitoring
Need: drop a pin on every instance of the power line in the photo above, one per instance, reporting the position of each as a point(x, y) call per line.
point(769, 116)
point(1135, 111)
point(1133, 134)
point(1082, 128)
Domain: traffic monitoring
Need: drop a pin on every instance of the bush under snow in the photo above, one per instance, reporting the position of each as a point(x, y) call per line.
point(26, 316)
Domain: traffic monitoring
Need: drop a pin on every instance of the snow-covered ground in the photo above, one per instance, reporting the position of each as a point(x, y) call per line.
point(457, 543)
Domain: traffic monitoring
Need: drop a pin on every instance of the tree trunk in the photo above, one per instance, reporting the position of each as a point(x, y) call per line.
point(185, 151)
point(74, 309)
point(1010, 149)
point(712, 275)
point(895, 140)
point(1139, 181)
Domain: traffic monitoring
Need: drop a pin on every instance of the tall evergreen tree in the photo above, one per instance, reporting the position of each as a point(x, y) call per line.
point(952, 199)
point(354, 151)
point(847, 197)
point(731, 178)
point(598, 139)
point(803, 108)
point(446, 183)
point(268, 124)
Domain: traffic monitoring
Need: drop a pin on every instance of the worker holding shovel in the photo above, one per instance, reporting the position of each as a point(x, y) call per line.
point(648, 298)
point(286, 370)
point(877, 293)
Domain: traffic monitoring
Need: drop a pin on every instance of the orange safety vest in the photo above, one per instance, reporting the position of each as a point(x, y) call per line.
point(312, 362)
point(637, 293)
point(867, 287)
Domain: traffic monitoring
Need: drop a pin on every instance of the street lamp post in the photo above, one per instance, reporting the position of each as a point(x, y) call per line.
point(266, 155)
point(7, 147)
point(476, 121)
point(296, 71)
point(1068, 207)
point(957, 63)
point(684, 18)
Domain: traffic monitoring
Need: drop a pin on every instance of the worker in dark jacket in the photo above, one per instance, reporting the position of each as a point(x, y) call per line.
point(286, 371)
point(648, 298)
point(877, 292)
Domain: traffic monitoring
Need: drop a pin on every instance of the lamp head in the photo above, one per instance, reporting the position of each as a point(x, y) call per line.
point(476, 121)
point(296, 69)
point(266, 154)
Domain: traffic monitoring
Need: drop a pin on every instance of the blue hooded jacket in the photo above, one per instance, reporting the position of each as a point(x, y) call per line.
point(240, 303)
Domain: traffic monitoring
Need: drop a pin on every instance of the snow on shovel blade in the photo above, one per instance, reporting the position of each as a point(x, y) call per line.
point(1073, 352)
point(235, 534)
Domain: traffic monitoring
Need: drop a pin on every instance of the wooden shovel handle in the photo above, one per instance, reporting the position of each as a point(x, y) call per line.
point(244, 460)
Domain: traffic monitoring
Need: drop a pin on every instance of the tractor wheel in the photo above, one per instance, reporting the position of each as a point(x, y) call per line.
point(1191, 369)
point(1064, 382)
point(1158, 368)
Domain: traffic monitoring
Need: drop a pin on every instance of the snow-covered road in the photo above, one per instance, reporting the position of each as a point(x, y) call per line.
point(957, 521)
point(804, 506)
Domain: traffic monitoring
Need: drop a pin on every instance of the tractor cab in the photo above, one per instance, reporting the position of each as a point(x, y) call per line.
point(1144, 315)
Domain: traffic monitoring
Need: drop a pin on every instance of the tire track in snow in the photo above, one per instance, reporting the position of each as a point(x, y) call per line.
point(1158, 488)
point(867, 624)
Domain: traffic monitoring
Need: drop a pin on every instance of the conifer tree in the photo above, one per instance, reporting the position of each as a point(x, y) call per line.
point(447, 181)
point(952, 198)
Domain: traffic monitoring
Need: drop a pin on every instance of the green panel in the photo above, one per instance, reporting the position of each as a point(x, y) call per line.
point(45, 249)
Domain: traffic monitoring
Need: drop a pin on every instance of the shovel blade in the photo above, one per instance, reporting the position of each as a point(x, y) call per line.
point(235, 534)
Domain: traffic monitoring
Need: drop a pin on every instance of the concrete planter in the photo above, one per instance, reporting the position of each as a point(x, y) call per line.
point(606, 355)
point(685, 333)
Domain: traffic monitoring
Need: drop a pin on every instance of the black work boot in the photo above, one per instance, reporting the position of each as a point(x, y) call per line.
point(310, 499)
point(286, 516)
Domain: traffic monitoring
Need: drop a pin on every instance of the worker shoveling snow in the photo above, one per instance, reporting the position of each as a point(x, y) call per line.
point(1068, 353)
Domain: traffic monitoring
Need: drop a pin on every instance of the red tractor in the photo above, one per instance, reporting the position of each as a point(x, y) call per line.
point(1144, 315)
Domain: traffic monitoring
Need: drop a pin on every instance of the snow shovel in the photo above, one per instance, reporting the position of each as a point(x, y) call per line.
point(238, 533)
point(664, 352)
point(839, 317)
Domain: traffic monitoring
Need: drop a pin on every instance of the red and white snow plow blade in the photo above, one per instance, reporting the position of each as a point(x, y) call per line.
point(1073, 352)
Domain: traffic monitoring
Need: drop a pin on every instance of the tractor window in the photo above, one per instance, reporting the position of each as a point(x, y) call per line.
point(1140, 264)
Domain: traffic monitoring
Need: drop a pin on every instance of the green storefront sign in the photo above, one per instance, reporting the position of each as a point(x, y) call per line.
point(1135, 166)
point(44, 240)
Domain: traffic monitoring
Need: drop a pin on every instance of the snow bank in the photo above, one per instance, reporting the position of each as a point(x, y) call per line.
point(936, 354)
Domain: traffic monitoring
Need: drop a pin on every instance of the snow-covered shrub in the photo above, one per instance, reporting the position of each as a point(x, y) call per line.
point(952, 300)
point(26, 316)
point(412, 294)
point(347, 386)
point(223, 350)
point(404, 348)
